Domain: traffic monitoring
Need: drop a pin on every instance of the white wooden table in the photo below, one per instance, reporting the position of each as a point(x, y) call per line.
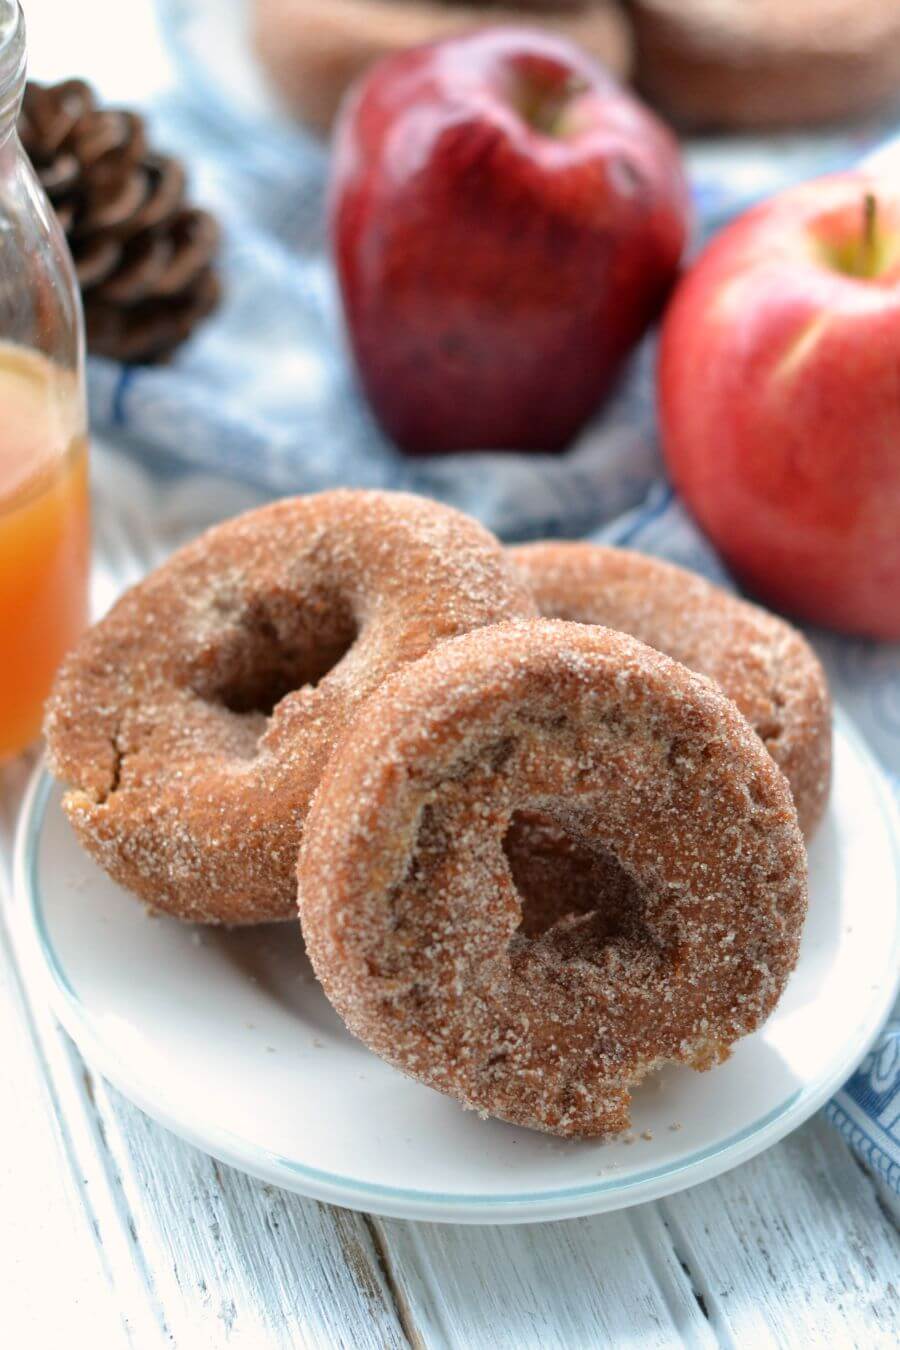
point(115, 1231)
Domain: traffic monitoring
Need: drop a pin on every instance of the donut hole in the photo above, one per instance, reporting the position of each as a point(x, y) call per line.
point(268, 652)
point(559, 875)
point(769, 726)
point(770, 731)
point(259, 688)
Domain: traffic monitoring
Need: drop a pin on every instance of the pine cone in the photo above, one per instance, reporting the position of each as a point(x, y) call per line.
point(143, 256)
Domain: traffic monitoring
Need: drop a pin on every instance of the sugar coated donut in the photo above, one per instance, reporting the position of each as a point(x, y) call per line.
point(760, 661)
point(682, 838)
point(192, 723)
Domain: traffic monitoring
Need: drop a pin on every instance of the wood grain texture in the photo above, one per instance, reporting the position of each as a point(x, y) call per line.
point(612, 1280)
point(793, 1249)
point(53, 1282)
point(236, 1262)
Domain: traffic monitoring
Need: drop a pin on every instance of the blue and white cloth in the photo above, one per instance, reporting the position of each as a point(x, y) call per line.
point(264, 395)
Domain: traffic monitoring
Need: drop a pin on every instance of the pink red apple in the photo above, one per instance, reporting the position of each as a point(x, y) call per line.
point(779, 397)
point(506, 223)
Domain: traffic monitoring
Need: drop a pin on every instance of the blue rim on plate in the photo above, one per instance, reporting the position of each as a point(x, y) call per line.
point(405, 1202)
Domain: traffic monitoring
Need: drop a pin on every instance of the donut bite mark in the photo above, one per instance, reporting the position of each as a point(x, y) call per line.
point(191, 725)
point(442, 935)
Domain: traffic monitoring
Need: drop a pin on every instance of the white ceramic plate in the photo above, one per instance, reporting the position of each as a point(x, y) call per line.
point(227, 1039)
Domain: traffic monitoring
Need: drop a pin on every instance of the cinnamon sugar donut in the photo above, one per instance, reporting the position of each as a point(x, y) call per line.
point(760, 661)
point(192, 723)
point(685, 922)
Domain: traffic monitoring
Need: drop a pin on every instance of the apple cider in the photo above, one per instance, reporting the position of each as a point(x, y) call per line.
point(44, 515)
point(44, 534)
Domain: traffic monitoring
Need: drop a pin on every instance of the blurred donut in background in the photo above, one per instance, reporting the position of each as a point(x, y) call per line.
point(710, 64)
point(312, 50)
point(705, 64)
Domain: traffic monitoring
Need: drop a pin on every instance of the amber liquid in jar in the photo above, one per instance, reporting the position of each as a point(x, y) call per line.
point(44, 534)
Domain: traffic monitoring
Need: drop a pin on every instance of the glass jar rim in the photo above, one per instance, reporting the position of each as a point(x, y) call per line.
point(12, 59)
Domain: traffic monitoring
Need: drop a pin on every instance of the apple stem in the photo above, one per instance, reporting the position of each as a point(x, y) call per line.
point(870, 214)
point(545, 108)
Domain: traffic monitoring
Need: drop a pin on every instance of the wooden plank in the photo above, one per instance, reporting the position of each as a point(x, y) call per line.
point(612, 1280)
point(53, 1289)
point(237, 1262)
point(792, 1249)
point(53, 1284)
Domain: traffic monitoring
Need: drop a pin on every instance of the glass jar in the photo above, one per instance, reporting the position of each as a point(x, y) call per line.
point(44, 513)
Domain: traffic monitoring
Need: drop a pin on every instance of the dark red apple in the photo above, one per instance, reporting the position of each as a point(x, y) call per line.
point(506, 223)
point(779, 397)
